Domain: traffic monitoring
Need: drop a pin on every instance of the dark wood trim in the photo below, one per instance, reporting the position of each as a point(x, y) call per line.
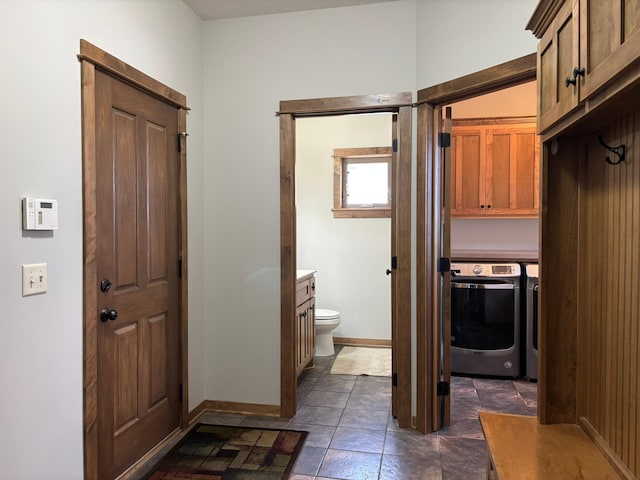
point(288, 377)
point(90, 272)
point(430, 100)
point(403, 273)
point(400, 102)
point(508, 74)
point(92, 54)
point(543, 15)
point(471, 122)
point(91, 58)
point(344, 105)
point(141, 465)
point(184, 258)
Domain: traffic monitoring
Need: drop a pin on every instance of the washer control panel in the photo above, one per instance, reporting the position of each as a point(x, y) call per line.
point(485, 269)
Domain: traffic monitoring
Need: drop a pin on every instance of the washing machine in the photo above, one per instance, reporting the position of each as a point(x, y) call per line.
point(531, 275)
point(485, 319)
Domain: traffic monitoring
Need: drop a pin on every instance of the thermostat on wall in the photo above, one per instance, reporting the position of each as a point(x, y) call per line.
point(39, 214)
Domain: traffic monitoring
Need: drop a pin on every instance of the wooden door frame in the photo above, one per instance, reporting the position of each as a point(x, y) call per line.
point(399, 103)
point(93, 58)
point(430, 103)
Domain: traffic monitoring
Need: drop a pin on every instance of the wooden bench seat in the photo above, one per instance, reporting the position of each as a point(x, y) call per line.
point(520, 448)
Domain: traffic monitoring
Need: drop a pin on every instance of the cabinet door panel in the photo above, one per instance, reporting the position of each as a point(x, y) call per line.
point(631, 18)
point(525, 170)
point(558, 54)
point(610, 35)
point(467, 191)
point(498, 172)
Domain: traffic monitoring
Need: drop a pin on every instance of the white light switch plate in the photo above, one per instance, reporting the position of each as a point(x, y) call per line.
point(34, 279)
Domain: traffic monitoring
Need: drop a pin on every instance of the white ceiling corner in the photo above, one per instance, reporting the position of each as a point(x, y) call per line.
point(216, 9)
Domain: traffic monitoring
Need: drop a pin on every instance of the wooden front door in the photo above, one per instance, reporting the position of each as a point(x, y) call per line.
point(137, 232)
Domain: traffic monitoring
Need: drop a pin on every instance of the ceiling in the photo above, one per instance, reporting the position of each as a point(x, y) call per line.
point(215, 9)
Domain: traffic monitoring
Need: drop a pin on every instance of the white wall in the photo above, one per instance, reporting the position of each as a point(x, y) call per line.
point(349, 254)
point(250, 65)
point(502, 234)
point(41, 342)
point(234, 80)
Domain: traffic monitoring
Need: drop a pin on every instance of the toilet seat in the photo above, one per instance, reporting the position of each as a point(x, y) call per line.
point(326, 314)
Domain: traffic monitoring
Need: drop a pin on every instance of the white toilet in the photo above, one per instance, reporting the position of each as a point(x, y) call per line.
point(326, 321)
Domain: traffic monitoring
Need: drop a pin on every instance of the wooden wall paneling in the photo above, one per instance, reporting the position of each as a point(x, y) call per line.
point(634, 312)
point(558, 277)
point(608, 285)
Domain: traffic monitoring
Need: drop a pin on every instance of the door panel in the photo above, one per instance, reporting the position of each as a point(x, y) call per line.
point(442, 291)
point(137, 250)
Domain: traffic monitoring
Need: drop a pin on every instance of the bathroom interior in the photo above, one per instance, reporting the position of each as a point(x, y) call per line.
point(350, 256)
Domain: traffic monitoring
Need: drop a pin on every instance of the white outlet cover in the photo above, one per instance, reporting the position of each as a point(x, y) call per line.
point(34, 279)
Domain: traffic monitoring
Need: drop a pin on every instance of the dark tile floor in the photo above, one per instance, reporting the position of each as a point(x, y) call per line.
point(353, 435)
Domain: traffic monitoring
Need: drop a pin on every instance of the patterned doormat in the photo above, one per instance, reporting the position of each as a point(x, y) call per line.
point(215, 452)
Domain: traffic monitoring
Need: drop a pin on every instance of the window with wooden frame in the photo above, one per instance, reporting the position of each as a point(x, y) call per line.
point(362, 182)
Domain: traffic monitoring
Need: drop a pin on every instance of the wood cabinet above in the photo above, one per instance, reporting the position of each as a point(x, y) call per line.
point(584, 46)
point(494, 167)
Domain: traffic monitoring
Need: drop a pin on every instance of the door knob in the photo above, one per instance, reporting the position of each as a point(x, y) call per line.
point(105, 285)
point(108, 314)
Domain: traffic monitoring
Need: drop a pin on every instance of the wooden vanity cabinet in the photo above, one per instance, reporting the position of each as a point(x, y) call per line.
point(305, 323)
point(584, 44)
point(494, 167)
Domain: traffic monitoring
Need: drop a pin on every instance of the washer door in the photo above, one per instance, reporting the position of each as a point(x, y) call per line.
point(482, 314)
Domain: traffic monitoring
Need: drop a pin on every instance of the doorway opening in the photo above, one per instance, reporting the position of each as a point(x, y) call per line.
point(400, 106)
point(434, 230)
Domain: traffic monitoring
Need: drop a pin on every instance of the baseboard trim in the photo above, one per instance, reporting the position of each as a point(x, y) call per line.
point(362, 342)
point(234, 407)
point(605, 449)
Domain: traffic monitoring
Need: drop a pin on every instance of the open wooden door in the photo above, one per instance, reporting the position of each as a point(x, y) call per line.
point(443, 288)
point(433, 281)
point(433, 326)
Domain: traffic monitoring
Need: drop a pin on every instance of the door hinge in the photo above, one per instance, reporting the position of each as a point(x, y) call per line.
point(444, 265)
point(182, 138)
point(394, 145)
point(180, 393)
point(394, 380)
point(443, 389)
point(444, 139)
point(180, 268)
point(394, 263)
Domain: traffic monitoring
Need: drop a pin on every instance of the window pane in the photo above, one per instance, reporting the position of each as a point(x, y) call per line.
point(367, 184)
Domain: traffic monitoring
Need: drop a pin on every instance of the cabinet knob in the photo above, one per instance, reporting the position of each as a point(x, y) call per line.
point(481, 206)
point(577, 72)
point(488, 206)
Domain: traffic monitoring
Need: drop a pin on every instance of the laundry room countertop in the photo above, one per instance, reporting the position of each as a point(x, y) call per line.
point(495, 255)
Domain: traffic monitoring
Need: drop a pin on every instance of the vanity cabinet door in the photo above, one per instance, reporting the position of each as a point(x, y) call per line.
point(305, 332)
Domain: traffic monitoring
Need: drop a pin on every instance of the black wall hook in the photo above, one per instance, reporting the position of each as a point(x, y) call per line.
point(619, 151)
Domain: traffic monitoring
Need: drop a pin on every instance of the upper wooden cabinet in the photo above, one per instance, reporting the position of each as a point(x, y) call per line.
point(584, 45)
point(494, 167)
